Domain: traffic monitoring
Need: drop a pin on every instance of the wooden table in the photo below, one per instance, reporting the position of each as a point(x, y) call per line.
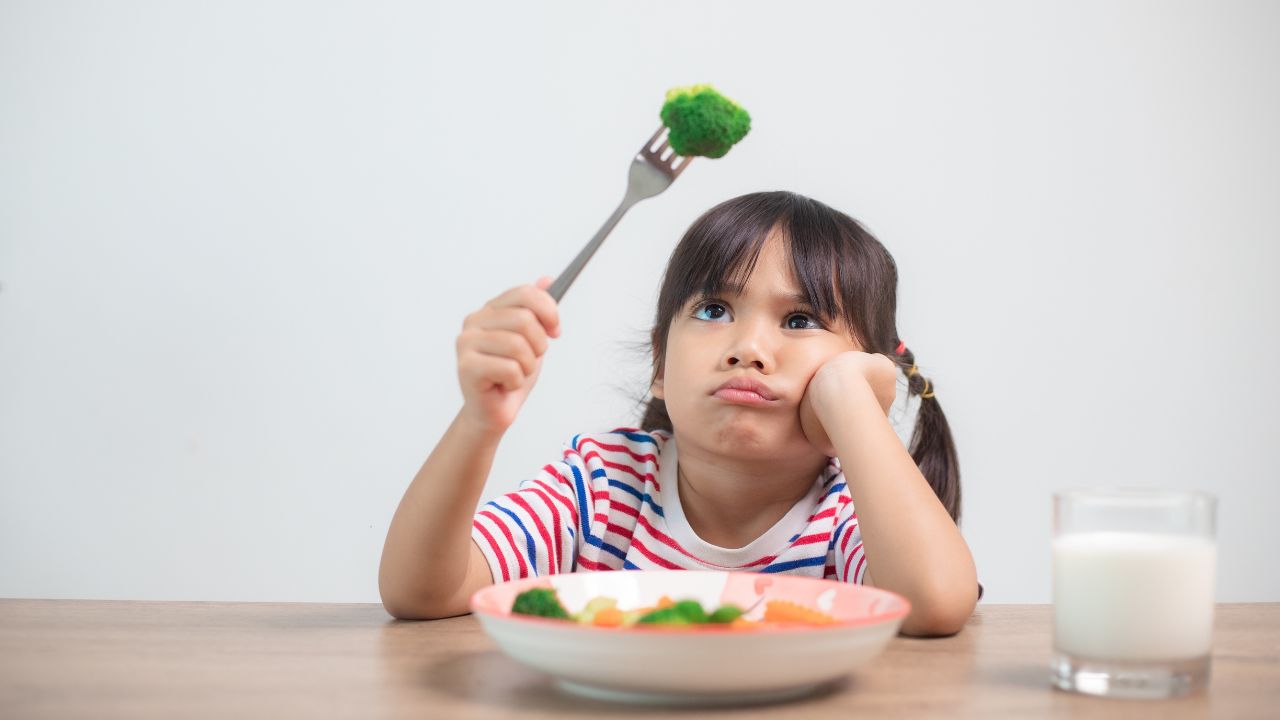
point(68, 658)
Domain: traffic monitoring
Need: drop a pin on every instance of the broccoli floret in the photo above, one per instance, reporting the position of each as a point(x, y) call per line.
point(541, 602)
point(725, 614)
point(685, 612)
point(665, 616)
point(703, 122)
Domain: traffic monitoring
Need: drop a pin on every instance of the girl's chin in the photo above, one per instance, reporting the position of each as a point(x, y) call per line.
point(751, 440)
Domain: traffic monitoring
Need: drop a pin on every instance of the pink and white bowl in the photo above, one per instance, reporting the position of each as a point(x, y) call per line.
point(713, 664)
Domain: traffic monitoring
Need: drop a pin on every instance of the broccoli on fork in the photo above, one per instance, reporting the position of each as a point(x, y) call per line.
point(702, 122)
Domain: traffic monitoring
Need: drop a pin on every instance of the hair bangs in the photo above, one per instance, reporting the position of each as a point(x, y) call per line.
point(818, 249)
point(720, 250)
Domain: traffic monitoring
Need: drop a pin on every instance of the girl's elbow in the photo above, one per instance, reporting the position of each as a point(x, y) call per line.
point(406, 604)
point(416, 609)
point(402, 604)
point(401, 610)
point(933, 624)
point(938, 617)
point(400, 607)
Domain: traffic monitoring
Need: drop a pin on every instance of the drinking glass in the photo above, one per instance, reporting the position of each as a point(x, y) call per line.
point(1133, 591)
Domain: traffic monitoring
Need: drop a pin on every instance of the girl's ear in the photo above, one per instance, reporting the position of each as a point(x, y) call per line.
point(656, 388)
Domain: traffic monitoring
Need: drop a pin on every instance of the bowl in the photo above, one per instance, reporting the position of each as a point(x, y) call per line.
point(707, 664)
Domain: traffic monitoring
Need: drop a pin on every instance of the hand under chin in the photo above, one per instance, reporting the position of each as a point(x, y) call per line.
point(812, 428)
point(842, 377)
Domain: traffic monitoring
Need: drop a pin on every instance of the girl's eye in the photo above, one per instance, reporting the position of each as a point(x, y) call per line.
point(710, 311)
point(801, 321)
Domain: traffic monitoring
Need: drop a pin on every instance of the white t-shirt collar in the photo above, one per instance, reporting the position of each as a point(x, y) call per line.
point(774, 540)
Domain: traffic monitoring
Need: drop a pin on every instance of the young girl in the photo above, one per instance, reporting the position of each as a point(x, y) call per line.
point(775, 361)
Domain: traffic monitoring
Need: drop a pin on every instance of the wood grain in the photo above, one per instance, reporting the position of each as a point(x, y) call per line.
point(99, 659)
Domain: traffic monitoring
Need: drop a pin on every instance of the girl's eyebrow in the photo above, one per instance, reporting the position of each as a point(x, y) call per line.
point(797, 298)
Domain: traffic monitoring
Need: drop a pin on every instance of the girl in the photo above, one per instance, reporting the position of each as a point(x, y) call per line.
point(775, 361)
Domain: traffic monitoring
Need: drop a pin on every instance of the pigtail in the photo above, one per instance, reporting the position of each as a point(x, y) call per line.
point(931, 444)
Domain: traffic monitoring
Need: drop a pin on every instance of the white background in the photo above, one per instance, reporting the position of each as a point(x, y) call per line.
point(237, 241)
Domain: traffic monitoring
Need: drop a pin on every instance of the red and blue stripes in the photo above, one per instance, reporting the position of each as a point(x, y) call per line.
point(599, 509)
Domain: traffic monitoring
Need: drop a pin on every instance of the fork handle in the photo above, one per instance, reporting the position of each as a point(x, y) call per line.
point(562, 283)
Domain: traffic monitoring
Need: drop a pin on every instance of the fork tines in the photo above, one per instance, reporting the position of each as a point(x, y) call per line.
point(658, 153)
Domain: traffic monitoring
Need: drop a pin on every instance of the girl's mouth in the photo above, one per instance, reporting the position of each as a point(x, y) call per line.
point(745, 391)
point(742, 397)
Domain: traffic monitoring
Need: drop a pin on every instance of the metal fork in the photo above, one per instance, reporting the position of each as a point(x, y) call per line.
point(653, 170)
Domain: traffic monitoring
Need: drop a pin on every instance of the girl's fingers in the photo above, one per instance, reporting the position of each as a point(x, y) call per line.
point(519, 320)
point(500, 343)
point(537, 300)
point(486, 371)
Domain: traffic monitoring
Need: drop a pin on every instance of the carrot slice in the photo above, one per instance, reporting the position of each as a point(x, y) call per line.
point(608, 617)
point(665, 601)
point(784, 611)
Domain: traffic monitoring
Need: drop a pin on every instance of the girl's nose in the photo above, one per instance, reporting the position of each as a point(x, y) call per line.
point(756, 363)
point(749, 350)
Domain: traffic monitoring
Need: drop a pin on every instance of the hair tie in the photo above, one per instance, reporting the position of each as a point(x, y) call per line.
point(902, 347)
point(926, 393)
point(913, 370)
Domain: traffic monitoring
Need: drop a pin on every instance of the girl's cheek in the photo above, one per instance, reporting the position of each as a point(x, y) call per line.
point(817, 357)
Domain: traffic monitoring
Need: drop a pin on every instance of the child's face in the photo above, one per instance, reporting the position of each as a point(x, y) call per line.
point(763, 333)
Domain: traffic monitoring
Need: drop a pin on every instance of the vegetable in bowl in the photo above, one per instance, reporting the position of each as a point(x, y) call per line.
point(797, 634)
point(602, 611)
point(540, 602)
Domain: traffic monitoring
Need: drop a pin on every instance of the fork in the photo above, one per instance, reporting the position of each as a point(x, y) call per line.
point(653, 170)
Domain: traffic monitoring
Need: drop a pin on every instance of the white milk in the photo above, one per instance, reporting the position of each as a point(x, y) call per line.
point(1133, 596)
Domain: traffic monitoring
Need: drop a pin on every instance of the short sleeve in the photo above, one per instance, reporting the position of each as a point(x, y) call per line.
point(850, 559)
point(533, 531)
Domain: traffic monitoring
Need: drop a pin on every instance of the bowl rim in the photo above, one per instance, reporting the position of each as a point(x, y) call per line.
point(478, 598)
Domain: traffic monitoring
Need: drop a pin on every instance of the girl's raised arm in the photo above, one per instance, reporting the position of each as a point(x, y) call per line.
point(430, 566)
point(912, 545)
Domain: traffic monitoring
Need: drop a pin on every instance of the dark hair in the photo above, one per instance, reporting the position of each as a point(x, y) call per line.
point(720, 249)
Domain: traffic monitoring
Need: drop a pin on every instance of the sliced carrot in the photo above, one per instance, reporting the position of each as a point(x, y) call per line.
point(740, 624)
point(608, 617)
point(784, 611)
point(664, 602)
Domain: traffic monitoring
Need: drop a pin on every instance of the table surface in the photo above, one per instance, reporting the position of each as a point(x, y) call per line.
point(80, 658)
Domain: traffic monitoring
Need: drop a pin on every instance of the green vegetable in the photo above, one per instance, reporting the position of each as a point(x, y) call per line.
point(685, 612)
point(725, 614)
point(665, 616)
point(703, 122)
point(541, 602)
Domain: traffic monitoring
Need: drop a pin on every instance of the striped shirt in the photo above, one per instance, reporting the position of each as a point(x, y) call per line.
point(611, 503)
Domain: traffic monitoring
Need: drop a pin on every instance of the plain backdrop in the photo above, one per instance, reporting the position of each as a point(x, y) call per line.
point(237, 241)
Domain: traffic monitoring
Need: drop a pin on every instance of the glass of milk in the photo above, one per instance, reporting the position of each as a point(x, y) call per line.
point(1133, 591)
